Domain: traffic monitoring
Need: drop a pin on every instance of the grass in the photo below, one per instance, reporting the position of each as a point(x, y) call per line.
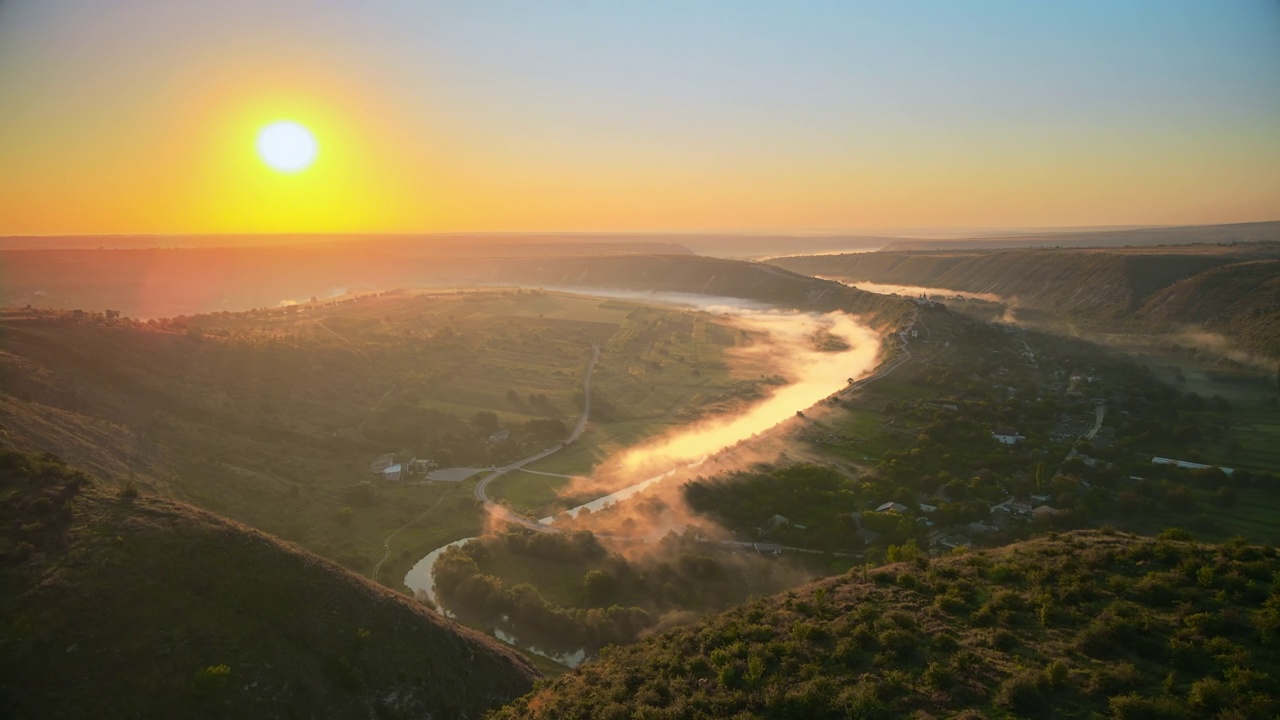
point(659, 369)
point(262, 416)
point(559, 582)
point(1256, 516)
point(1255, 427)
point(528, 493)
point(1074, 626)
point(158, 609)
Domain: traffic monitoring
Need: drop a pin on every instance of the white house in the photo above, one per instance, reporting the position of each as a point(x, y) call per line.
point(1007, 435)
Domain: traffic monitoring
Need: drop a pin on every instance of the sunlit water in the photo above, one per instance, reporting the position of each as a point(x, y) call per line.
point(917, 291)
point(813, 375)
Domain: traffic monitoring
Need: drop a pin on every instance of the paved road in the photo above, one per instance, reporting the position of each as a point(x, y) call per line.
point(482, 487)
point(494, 508)
point(1099, 414)
point(506, 514)
point(885, 370)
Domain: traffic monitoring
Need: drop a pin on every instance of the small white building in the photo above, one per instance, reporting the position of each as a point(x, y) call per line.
point(393, 472)
point(1190, 465)
point(892, 507)
point(1007, 435)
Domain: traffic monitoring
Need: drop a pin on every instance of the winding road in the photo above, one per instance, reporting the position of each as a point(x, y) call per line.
point(481, 489)
point(503, 513)
point(508, 515)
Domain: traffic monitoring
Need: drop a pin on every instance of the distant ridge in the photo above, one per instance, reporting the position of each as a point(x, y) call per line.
point(1268, 231)
point(159, 283)
point(1230, 289)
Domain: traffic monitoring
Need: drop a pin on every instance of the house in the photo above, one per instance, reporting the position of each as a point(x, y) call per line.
point(1044, 512)
point(501, 436)
point(1015, 508)
point(925, 508)
point(981, 527)
point(767, 548)
point(892, 507)
point(393, 472)
point(778, 522)
point(1007, 435)
point(956, 541)
point(1190, 465)
point(868, 537)
point(383, 462)
point(418, 467)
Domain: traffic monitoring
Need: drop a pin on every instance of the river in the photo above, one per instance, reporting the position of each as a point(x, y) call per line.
point(917, 290)
point(813, 374)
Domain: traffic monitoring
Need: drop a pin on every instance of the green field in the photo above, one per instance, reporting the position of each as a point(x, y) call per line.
point(1253, 425)
point(272, 416)
point(658, 369)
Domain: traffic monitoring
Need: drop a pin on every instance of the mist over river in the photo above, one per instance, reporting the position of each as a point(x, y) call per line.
point(816, 353)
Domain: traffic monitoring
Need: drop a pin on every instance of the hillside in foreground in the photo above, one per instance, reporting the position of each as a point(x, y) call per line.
point(1089, 624)
point(119, 606)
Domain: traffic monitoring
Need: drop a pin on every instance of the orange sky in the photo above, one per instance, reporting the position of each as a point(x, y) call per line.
point(141, 118)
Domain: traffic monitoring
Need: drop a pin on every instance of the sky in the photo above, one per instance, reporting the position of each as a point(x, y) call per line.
point(124, 116)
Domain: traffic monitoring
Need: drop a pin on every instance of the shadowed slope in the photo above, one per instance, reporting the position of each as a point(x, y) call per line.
point(138, 607)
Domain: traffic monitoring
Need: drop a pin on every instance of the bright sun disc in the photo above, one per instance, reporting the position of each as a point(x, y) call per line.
point(287, 146)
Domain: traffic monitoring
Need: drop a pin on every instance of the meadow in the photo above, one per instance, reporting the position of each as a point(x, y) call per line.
point(272, 416)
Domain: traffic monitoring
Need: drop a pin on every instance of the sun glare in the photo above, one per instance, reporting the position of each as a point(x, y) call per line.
point(287, 146)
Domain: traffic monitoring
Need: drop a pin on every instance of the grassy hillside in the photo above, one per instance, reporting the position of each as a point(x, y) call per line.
point(1083, 625)
point(1094, 286)
point(1241, 301)
point(272, 417)
point(120, 606)
point(683, 274)
point(1110, 282)
point(1127, 237)
point(200, 274)
point(157, 283)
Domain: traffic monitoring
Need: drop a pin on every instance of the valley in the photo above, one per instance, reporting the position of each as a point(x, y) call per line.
point(381, 429)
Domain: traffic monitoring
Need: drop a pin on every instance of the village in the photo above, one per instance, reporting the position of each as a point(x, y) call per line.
point(982, 439)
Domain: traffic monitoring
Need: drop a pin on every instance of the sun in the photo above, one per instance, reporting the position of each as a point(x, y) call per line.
point(287, 146)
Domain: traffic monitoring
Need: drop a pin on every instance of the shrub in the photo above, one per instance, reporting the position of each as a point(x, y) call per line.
point(211, 680)
point(1208, 695)
point(899, 642)
point(1136, 707)
point(1023, 693)
point(1055, 674)
point(938, 675)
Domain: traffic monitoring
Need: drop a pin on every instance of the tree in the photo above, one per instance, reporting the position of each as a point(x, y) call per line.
point(599, 587)
point(485, 421)
point(1225, 497)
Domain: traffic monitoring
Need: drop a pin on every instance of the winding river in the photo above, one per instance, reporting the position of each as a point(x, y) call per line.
point(813, 375)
